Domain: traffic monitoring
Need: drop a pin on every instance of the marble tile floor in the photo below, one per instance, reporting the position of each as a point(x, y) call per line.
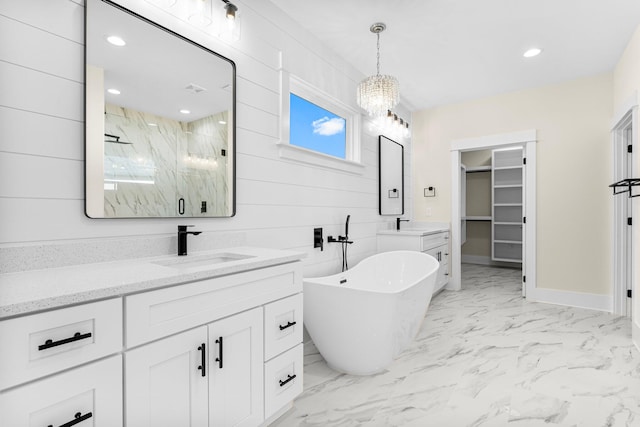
point(486, 357)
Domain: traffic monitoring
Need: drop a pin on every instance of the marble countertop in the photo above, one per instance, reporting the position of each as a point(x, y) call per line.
point(30, 291)
point(419, 229)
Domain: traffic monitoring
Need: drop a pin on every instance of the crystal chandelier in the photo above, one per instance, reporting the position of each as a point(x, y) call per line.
point(380, 93)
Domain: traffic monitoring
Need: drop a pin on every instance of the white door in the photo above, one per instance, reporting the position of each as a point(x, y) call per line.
point(165, 385)
point(524, 222)
point(628, 139)
point(463, 204)
point(236, 359)
point(623, 205)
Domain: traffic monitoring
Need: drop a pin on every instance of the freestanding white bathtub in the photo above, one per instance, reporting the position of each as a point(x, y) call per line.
point(361, 320)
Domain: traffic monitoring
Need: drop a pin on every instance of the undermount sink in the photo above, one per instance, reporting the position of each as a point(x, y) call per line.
point(194, 261)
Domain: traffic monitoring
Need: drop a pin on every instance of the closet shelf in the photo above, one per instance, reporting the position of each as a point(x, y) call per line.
point(507, 223)
point(507, 186)
point(478, 218)
point(499, 168)
point(473, 169)
point(625, 183)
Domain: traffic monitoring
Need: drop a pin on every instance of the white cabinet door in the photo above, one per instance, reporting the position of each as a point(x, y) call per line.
point(441, 254)
point(165, 384)
point(236, 360)
point(90, 395)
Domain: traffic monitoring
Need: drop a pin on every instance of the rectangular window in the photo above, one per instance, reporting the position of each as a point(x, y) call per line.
point(315, 128)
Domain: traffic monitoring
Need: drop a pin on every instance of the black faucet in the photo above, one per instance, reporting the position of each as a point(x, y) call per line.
point(398, 223)
point(182, 238)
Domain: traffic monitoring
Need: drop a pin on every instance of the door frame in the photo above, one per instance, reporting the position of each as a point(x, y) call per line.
point(623, 238)
point(527, 139)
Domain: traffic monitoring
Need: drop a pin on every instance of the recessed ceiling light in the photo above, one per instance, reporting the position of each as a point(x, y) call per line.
point(222, 122)
point(113, 91)
point(116, 41)
point(534, 51)
point(185, 111)
point(153, 124)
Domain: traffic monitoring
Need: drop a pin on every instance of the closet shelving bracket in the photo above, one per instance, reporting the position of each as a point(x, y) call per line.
point(624, 186)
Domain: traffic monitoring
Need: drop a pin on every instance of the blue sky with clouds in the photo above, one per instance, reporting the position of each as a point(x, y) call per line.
point(315, 128)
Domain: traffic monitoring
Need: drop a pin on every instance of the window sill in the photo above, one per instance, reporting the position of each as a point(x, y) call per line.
point(303, 155)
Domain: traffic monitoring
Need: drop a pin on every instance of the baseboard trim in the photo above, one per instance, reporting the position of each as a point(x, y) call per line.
point(635, 334)
point(573, 299)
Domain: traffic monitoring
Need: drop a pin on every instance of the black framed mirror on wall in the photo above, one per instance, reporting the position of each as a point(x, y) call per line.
point(160, 120)
point(390, 177)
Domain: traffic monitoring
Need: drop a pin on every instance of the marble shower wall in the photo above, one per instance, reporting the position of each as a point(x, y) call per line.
point(203, 169)
point(152, 166)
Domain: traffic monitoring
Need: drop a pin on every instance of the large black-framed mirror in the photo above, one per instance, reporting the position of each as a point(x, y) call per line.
point(390, 177)
point(160, 120)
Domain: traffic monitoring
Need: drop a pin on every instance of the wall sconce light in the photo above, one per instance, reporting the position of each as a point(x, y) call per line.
point(162, 3)
point(230, 26)
point(200, 13)
point(393, 125)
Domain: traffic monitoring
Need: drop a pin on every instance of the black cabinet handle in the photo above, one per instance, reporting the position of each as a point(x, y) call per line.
point(219, 358)
point(78, 418)
point(288, 325)
point(289, 378)
point(76, 337)
point(203, 359)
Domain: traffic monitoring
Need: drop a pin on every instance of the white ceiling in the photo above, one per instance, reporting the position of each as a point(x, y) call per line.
point(447, 51)
point(154, 69)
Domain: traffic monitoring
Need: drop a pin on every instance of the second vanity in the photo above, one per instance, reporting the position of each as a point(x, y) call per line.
point(211, 339)
point(432, 239)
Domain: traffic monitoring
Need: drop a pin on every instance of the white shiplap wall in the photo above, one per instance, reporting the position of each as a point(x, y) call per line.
point(279, 201)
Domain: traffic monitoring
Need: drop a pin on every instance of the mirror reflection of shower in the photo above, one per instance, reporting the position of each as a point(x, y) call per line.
point(162, 161)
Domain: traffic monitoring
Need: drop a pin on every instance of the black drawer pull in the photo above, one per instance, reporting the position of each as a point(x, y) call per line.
point(78, 418)
point(203, 359)
point(289, 378)
point(288, 325)
point(76, 337)
point(219, 358)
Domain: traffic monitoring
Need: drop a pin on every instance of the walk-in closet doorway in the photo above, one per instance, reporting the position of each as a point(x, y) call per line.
point(513, 145)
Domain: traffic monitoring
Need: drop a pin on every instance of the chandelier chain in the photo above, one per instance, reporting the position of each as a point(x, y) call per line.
point(378, 59)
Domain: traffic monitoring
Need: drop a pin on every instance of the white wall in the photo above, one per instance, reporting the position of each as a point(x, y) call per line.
point(572, 120)
point(279, 202)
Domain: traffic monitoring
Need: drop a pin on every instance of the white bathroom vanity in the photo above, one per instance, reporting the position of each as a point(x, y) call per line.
point(432, 239)
point(213, 338)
